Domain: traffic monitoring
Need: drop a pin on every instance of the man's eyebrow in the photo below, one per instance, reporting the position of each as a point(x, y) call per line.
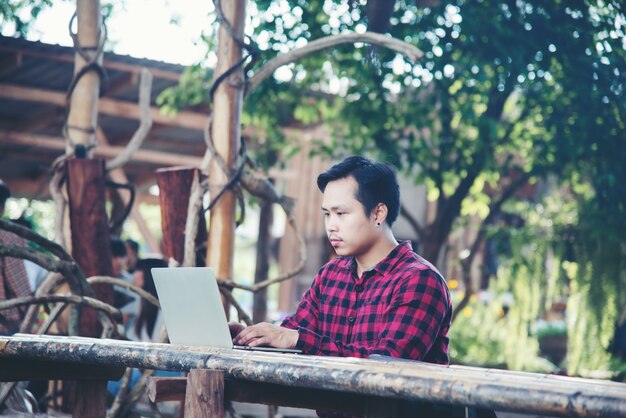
point(333, 208)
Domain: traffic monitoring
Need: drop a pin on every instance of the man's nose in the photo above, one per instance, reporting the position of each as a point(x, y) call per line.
point(331, 225)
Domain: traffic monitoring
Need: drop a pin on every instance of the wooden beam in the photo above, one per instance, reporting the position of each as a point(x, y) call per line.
point(89, 231)
point(119, 176)
point(174, 192)
point(17, 370)
point(103, 151)
point(121, 83)
point(10, 61)
point(107, 106)
point(161, 389)
point(204, 397)
point(90, 399)
point(45, 117)
point(502, 390)
point(226, 135)
point(83, 110)
point(108, 62)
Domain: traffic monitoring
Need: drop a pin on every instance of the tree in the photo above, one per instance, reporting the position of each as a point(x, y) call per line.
point(502, 97)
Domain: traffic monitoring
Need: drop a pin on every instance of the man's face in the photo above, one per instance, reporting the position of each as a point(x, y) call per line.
point(119, 265)
point(350, 231)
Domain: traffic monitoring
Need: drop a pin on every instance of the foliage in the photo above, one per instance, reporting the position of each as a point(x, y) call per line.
point(482, 336)
point(21, 13)
point(506, 90)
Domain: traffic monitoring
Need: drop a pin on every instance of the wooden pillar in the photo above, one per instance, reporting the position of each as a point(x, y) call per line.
point(174, 190)
point(91, 399)
point(204, 396)
point(263, 257)
point(226, 133)
point(90, 231)
point(83, 112)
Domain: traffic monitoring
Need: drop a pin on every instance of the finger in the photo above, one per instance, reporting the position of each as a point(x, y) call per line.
point(259, 341)
point(247, 335)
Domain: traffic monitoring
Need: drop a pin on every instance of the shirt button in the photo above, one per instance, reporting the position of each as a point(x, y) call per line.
point(351, 319)
point(359, 288)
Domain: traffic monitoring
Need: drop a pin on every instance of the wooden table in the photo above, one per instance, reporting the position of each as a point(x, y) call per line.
point(362, 385)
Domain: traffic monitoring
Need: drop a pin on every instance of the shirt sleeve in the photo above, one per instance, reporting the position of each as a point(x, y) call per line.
point(306, 314)
point(409, 325)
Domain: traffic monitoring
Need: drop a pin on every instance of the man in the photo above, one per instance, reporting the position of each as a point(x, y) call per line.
point(132, 250)
point(126, 300)
point(13, 279)
point(378, 296)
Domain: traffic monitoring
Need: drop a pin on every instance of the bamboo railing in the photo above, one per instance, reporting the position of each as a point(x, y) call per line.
point(387, 378)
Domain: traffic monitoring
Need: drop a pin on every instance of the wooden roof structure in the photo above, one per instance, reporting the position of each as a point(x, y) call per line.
point(34, 79)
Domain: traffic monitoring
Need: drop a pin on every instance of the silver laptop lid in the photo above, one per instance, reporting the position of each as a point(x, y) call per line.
point(192, 307)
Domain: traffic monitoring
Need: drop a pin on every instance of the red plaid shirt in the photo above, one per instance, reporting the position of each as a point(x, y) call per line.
point(13, 283)
point(400, 308)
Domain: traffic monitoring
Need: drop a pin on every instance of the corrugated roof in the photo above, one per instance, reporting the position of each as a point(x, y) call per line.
point(34, 79)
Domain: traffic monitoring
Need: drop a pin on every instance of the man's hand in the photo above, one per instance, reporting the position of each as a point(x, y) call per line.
point(235, 328)
point(268, 335)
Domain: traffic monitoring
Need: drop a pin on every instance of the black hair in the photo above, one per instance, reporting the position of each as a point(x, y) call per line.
point(118, 248)
point(133, 244)
point(377, 183)
point(147, 311)
point(5, 193)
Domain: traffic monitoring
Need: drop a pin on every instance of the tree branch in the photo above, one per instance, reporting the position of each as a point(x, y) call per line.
point(412, 221)
point(123, 283)
point(240, 311)
point(34, 237)
point(145, 122)
point(113, 314)
point(466, 263)
point(404, 48)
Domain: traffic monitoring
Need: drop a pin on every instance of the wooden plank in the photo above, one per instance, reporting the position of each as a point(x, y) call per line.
point(16, 370)
point(204, 396)
point(382, 408)
point(91, 399)
point(102, 151)
point(107, 106)
point(174, 388)
point(162, 389)
point(528, 393)
point(10, 61)
point(109, 63)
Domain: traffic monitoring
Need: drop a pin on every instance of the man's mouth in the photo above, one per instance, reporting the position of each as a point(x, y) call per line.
point(334, 241)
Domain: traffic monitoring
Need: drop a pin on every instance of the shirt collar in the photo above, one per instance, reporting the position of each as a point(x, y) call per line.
point(387, 263)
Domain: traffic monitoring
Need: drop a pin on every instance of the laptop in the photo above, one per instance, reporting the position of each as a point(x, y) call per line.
point(192, 309)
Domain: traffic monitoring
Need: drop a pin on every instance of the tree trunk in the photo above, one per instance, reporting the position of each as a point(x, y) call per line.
point(263, 256)
point(174, 191)
point(226, 134)
point(83, 112)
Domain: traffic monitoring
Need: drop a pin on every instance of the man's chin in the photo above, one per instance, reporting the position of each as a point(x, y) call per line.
point(342, 251)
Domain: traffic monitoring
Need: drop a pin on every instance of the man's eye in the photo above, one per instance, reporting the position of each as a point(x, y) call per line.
point(340, 213)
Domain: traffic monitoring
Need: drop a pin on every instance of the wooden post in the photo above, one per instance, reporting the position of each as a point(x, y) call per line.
point(174, 190)
point(91, 399)
point(226, 133)
point(204, 396)
point(263, 256)
point(83, 112)
point(90, 231)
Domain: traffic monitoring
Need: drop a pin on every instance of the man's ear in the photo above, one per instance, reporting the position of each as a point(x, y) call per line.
point(380, 213)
